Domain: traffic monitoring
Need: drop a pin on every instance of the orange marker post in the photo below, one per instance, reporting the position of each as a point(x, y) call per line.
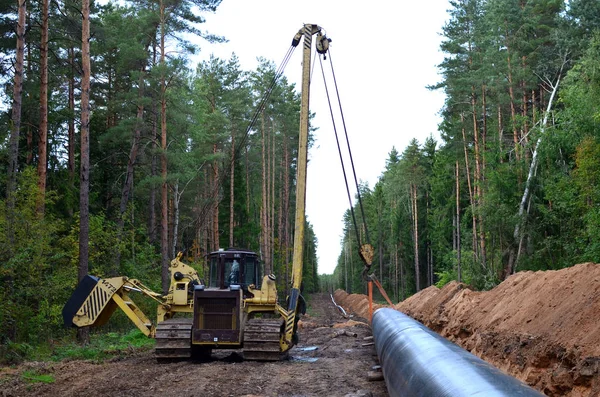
point(370, 284)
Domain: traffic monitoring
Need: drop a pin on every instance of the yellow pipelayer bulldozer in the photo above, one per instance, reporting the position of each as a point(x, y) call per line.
point(221, 314)
point(233, 311)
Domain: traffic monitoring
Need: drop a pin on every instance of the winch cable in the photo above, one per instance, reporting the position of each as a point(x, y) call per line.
point(366, 250)
point(265, 97)
point(362, 211)
point(262, 103)
point(340, 154)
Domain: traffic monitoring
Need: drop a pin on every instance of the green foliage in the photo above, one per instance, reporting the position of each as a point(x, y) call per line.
point(505, 52)
point(103, 346)
point(13, 353)
point(207, 118)
point(40, 275)
point(445, 277)
point(32, 376)
point(25, 293)
point(500, 58)
point(309, 263)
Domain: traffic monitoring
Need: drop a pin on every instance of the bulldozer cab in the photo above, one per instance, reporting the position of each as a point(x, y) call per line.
point(234, 267)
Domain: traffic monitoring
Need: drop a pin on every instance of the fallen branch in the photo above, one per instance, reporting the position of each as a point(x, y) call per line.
point(374, 376)
point(344, 332)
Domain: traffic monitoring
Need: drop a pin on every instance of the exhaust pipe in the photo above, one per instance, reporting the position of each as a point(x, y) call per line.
point(417, 362)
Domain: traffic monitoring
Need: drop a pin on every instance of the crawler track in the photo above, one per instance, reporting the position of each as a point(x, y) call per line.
point(174, 339)
point(261, 339)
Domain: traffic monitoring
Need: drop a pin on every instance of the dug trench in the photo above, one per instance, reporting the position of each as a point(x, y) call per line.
point(333, 358)
point(541, 327)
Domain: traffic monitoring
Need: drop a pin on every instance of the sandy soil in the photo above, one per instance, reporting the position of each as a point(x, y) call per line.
point(323, 364)
point(541, 327)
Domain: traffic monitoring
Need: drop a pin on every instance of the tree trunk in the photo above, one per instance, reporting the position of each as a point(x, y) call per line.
point(524, 111)
point(483, 127)
point(84, 214)
point(402, 275)
point(176, 199)
point(43, 132)
point(396, 272)
point(264, 207)
point(430, 264)
point(215, 196)
point(28, 72)
point(533, 108)
point(71, 128)
point(153, 162)
point(500, 134)
point(164, 222)
point(109, 101)
point(415, 219)
point(470, 187)
point(13, 152)
point(380, 249)
point(280, 232)
point(128, 183)
point(247, 180)
point(272, 200)
point(482, 178)
point(513, 112)
point(29, 140)
point(231, 189)
point(428, 244)
point(513, 262)
point(286, 209)
point(208, 220)
point(478, 182)
point(458, 237)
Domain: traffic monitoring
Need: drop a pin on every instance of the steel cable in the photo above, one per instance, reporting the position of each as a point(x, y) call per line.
point(266, 96)
point(363, 254)
point(262, 103)
point(362, 211)
point(337, 140)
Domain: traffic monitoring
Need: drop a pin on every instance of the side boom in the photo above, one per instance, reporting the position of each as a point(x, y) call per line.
point(291, 320)
point(95, 300)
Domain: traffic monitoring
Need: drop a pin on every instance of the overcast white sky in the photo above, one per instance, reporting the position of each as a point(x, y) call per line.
point(384, 54)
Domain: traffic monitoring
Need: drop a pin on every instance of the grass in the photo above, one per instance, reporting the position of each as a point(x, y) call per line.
point(34, 377)
point(309, 309)
point(104, 346)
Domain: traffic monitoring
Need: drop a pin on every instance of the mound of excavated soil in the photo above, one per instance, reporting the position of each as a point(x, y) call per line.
point(541, 327)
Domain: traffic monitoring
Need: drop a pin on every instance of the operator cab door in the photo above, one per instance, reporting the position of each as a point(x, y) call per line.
point(234, 267)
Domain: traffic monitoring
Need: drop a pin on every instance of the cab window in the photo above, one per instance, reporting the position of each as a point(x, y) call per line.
point(250, 272)
point(232, 272)
point(214, 274)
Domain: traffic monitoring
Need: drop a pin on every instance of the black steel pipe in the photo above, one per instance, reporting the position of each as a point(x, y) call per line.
point(417, 362)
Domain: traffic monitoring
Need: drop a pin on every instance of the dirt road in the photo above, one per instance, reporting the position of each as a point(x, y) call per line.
point(322, 364)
